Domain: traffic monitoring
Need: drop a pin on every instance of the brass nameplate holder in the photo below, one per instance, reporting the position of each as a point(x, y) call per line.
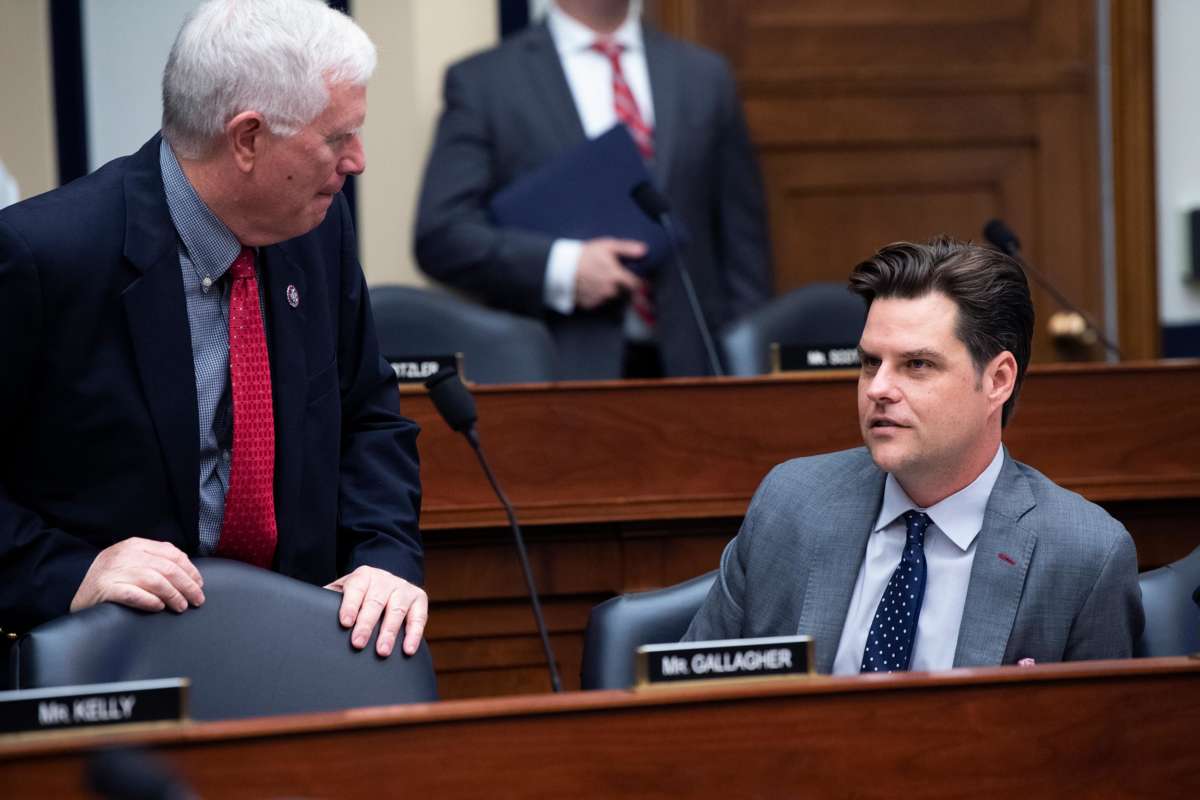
point(808, 358)
point(418, 369)
point(74, 708)
point(691, 662)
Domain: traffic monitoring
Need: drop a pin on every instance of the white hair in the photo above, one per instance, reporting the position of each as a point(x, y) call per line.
point(276, 57)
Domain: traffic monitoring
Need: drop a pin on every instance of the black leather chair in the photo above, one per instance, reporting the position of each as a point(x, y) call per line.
point(816, 314)
point(1172, 615)
point(497, 347)
point(261, 644)
point(617, 627)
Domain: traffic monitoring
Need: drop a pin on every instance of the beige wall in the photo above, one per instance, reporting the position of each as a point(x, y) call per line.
point(417, 39)
point(27, 140)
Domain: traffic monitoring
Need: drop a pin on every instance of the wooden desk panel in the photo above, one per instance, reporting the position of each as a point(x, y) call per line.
point(697, 448)
point(1111, 729)
point(629, 486)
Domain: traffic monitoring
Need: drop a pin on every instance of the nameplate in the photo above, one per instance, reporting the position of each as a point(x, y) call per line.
point(418, 369)
point(101, 704)
point(795, 358)
point(774, 656)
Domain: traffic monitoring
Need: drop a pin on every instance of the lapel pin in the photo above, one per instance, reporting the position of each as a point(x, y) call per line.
point(293, 296)
point(1007, 559)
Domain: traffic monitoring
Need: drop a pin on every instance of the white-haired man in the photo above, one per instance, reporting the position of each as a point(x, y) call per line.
point(189, 360)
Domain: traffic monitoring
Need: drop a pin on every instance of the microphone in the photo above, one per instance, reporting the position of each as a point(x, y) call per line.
point(655, 206)
point(457, 406)
point(1000, 235)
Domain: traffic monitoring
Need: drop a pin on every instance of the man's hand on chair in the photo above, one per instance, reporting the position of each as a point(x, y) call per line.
point(369, 594)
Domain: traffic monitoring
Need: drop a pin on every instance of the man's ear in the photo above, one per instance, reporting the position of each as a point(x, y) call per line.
point(1000, 378)
point(246, 136)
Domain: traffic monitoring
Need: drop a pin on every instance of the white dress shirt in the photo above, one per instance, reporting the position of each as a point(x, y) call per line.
point(949, 554)
point(589, 75)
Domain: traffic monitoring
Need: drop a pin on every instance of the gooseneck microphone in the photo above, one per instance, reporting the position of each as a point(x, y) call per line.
point(655, 206)
point(457, 407)
point(1000, 235)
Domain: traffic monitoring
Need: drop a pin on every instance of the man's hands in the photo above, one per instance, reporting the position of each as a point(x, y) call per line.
point(600, 275)
point(367, 594)
point(152, 575)
point(141, 573)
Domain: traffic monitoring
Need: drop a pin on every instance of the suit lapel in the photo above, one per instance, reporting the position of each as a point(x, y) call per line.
point(1002, 555)
point(835, 558)
point(667, 93)
point(156, 313)
point(289, 372)
point(553, 94)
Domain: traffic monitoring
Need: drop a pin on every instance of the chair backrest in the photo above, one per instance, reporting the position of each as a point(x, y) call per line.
point(261, 644)
point(497, 347)
point(617, 627)
point(1172, 615)
point(816, 314)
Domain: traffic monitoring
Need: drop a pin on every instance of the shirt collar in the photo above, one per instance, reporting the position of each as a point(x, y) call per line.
point(959, 516)
point(572, 36)
point(210, 245)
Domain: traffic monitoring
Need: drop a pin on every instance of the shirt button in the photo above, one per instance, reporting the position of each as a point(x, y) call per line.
point(206, 283)
point(225, 456)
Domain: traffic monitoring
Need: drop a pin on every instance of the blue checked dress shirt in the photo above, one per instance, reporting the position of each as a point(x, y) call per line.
point(206, 250)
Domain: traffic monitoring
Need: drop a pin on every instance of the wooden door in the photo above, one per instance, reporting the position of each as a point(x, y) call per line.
point(882, 120)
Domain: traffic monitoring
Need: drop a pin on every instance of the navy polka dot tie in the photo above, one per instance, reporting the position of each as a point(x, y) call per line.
point(890, 640)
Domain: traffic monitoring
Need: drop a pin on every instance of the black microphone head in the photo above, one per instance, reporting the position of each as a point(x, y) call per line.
point(650, 200)
point(452, 400)
point(1002, 236)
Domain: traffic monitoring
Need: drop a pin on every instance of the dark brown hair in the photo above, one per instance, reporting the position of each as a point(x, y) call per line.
point(995, 312)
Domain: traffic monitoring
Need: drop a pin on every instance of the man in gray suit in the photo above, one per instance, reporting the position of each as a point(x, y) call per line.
point(931, 548)
point(523, 104)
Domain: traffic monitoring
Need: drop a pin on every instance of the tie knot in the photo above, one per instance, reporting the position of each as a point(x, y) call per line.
point(916, 522)
point(608, 47)
point(243, 265)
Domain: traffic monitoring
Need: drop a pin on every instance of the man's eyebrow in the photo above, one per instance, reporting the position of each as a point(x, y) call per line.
point(924, 353)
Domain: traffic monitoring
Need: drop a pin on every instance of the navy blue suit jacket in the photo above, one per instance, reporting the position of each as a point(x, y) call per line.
point(509, 110)
point(99, 436)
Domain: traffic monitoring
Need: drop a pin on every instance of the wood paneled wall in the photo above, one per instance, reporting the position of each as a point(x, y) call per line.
point(881, 120)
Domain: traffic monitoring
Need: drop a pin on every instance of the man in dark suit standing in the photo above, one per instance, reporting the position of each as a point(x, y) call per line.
point(189, 359)
point(521, 105)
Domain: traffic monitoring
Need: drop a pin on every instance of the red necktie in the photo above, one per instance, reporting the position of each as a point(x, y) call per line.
point(643, 137)
point(248, 529)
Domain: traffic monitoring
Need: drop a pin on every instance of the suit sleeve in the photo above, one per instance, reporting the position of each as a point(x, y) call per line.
point(456, 241)
point(741, 216)
point(1111, 618)
point(41, 566)
point(379, 484)
point(722, 614)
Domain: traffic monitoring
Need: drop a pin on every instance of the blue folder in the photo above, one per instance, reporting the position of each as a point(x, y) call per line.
point(584, 194)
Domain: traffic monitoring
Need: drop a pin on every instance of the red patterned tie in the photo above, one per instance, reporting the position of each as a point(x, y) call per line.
point(643, 137)
point(248, 529)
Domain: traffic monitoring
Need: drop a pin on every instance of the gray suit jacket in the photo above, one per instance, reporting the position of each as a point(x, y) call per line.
point(1054, 577)
point(509, 110)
